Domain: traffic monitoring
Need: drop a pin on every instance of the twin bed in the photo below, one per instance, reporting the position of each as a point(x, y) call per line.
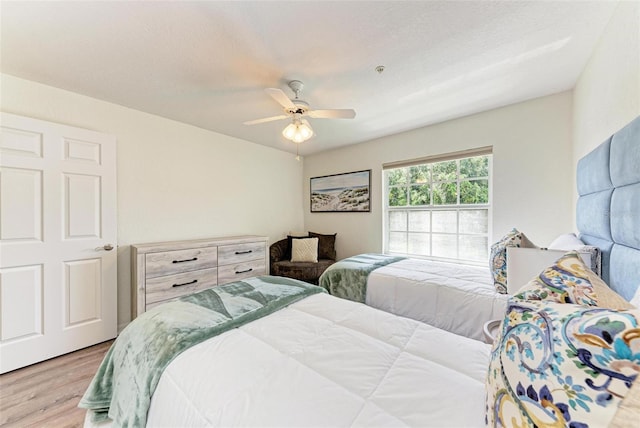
point(427, 291)
point(287, 354)
point(311, 359)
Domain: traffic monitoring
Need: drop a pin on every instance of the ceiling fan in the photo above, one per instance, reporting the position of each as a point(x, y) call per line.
point(299, 129)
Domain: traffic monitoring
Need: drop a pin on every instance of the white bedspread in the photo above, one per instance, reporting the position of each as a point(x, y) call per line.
point(456, 298)
point(326, 361)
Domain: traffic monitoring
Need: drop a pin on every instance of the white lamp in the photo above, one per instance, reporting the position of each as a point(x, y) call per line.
point(298, 131)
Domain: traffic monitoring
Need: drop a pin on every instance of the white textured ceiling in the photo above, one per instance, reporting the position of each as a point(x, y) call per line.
point(207, 63)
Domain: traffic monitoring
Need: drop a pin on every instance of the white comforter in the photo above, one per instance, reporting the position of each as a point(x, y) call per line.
point(456, 298)
point(325, 361)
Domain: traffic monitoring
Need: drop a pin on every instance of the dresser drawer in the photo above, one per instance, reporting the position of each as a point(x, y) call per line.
point(172, 286)
point(238, 271)
point(172, 262)
point(238, 253)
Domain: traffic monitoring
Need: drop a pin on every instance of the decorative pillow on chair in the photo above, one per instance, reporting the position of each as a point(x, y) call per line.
point(290, 239)
point(498, 257)
point(561, 365)
point(304, 250)
point(566, 281)
point(326, 245)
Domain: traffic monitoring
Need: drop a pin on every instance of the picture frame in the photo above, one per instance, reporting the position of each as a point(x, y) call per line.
point(346, 192)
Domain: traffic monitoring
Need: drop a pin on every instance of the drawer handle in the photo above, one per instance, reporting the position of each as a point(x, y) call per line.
point(244, 271)
point(186, 260)
point(185, 283)
point(244, 252)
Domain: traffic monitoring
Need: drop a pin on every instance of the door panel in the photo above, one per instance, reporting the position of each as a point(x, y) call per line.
point(20, 204)
point(82, 297)
point(57, 212)
point(21, 302)
point(82, 206)
point(20, 142)
point(83, 151)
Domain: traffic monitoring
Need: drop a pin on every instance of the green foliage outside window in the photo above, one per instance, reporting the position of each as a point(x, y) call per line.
point(440, 183)
point(397, 196)
point(444, 171)
point(445, 193)
point(474, 167)
point(474, 192)
point(419, 174)
point(397, 176)
point(420, 195)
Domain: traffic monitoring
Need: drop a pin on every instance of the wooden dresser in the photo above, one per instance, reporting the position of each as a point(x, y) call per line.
point(164, 271)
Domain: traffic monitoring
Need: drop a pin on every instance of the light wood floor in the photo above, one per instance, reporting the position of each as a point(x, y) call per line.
point(47, 394)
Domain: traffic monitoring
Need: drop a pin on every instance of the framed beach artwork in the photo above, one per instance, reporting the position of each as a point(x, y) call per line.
point(347, 192)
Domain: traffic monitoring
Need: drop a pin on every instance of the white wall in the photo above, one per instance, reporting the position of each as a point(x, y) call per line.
point(531, 171)
point(175, 181)
point(607, 95)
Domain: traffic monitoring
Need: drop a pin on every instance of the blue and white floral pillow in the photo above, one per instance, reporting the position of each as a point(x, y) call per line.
point(498, 257)
point(566, 281)
point(561, 365)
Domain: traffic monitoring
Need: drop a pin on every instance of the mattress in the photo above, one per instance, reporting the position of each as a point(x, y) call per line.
point(325, 361)
point(456, 298)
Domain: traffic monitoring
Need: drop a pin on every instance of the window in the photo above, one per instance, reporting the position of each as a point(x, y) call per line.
point(439, 209)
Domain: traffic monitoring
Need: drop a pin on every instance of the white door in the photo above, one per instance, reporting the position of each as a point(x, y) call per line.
point(58, 289)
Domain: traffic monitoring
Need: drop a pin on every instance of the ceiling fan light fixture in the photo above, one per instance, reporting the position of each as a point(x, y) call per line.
point(297, 131)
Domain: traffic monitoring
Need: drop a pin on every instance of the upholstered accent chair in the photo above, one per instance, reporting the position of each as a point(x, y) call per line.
point(280, 263)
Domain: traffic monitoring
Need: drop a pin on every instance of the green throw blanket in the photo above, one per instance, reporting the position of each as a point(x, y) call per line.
point(121, 389)
point(348, 277)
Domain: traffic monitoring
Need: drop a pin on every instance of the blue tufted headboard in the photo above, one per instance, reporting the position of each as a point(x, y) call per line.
point(608, 210)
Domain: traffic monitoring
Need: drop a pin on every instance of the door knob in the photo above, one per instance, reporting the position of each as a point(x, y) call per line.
point(106, 247)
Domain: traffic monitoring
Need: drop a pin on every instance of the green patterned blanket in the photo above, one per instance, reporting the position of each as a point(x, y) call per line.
point(348, 277)
point(121, 389)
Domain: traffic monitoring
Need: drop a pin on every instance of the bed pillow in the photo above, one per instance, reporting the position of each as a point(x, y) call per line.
point(606, 297)
point(326, 245)
point(567, 241)
point(498, 257)
point(629, 409)
point(561, 365)
point(304, 250)
point(570, 241)
point(566, 281)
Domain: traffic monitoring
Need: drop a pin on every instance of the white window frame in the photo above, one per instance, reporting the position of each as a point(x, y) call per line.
point(485, 151)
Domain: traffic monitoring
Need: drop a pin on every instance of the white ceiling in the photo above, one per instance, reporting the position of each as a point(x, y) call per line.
point(207, 63)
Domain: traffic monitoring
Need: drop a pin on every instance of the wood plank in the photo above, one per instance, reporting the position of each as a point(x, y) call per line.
point(20, 380)
point(42, 403)
point(48, 393)
point(22, 394)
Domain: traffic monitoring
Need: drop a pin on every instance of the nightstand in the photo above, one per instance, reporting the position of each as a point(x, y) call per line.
point(491, 329)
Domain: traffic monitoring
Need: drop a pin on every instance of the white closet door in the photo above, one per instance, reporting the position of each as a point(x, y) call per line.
point(58, 290)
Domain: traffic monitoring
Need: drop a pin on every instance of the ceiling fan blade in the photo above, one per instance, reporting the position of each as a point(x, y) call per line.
point(332, 114)
point(280, 97)
point(266, 119)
